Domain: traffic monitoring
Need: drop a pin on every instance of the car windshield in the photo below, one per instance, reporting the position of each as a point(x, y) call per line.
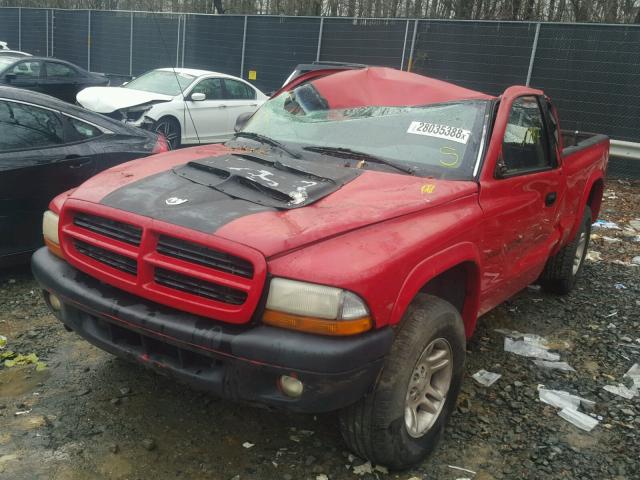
point(439, 140)
point(162, 81)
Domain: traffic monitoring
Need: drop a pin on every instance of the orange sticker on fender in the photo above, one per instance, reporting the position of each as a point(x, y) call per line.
point(428, 188)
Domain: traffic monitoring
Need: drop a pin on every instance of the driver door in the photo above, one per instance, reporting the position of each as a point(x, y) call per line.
point(207, 119)
point(520, 201)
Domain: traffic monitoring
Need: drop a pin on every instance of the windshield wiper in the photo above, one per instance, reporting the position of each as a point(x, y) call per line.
point(367, 157)
point(268, 141)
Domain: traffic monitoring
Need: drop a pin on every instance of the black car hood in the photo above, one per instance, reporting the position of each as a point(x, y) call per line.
point(207, 193)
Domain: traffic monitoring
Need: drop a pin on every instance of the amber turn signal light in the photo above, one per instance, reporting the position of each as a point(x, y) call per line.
point(317, 325)
point(54, 248)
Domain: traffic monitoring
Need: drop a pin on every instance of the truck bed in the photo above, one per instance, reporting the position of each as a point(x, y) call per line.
point(575, 140)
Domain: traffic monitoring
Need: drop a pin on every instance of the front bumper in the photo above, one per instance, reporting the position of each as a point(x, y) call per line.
point(235, 362)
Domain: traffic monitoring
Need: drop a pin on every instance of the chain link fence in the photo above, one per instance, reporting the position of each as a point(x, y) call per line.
point(590, 70)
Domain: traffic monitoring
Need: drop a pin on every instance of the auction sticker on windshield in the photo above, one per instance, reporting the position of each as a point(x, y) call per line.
point(437, 130)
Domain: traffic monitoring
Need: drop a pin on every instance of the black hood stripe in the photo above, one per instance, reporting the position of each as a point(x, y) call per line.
point(206, 194)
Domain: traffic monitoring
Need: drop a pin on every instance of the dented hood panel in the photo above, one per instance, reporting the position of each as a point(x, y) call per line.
point(371, 198)
point(153, 189)
point(110, 99)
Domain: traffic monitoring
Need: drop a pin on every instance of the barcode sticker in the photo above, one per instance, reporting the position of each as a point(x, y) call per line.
point(437, 130)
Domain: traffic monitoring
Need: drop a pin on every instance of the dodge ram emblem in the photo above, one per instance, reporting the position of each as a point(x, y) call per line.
point(175, 201)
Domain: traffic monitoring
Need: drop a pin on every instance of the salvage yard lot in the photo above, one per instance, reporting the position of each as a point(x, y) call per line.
point(89, 415)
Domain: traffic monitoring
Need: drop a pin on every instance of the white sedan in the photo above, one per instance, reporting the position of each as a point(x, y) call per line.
point(187, 106)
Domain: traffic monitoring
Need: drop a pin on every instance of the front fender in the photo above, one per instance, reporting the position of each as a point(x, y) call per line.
point(431, 267)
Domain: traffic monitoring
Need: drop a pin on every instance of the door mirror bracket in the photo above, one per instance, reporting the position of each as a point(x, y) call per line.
point(501, 168)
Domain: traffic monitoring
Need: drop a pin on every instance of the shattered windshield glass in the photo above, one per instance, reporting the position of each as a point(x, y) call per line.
point(161, 81)
point(439, 140)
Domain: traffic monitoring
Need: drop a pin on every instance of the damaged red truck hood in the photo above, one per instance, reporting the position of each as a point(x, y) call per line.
point(169, 190)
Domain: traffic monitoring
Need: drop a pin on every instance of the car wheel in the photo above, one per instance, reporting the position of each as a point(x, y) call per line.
point(562, 270)
point(170, 128)
point(401, 421)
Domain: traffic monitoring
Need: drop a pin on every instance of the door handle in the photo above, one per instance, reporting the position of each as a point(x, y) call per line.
point(550, 199)
point(78, 161)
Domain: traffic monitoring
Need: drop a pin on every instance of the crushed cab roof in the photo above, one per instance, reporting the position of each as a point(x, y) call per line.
point(381, 86)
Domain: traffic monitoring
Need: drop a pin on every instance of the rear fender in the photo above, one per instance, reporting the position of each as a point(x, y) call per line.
point(433, 266)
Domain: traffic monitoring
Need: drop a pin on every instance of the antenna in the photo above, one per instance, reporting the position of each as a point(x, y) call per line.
point(173, 69)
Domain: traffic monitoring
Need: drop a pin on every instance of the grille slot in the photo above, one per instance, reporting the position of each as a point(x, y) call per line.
point(115, 260)
point(191, 252)
point(199, 287)
point(109, 228)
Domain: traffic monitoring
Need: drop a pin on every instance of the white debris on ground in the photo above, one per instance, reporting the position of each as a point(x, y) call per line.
point(363, 469)
point(579, 419)
point(530, 346)
point(564, 366)
point(634, 374)
point(593, 256)
point(486, 378)
point(466, 470)
point(568, 405)
point(605, 224)
point(620, 390)
point(367, 468)
point(248, 445)
point(626, 391)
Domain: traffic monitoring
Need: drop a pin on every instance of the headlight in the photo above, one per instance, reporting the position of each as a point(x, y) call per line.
point(315, 308)
point(134, 114)
point(50, 232)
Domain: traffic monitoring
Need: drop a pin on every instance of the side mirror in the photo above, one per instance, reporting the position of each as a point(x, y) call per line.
point(198, 97)
point(242, 121)
point(501, 168)
point(10, 77)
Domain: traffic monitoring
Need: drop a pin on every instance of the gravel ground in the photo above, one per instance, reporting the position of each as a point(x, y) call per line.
point(91, 416)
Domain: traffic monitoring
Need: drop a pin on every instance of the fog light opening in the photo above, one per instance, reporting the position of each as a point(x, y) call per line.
point(291, 386)
point(55, 302)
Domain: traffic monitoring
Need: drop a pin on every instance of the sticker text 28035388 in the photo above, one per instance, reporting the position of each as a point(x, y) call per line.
point(445, 132)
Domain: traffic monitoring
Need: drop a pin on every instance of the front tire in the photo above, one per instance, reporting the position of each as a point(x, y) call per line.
point(402, 420)
point(170, 128)
point(562, 270)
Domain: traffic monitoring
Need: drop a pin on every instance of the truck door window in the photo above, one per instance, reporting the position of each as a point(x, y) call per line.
point(525, 144)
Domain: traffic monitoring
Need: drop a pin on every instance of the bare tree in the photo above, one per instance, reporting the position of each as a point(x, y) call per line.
point(609, 11)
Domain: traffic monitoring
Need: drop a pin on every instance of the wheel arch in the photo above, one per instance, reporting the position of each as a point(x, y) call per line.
point(592, 198)
point(440, 275)
point(172, 116)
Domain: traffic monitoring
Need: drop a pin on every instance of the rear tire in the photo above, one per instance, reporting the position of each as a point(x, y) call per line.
point(562, 270)
point(401, 421)
point(170, 128)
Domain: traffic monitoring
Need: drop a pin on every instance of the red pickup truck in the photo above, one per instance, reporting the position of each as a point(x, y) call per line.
point(336, 254)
